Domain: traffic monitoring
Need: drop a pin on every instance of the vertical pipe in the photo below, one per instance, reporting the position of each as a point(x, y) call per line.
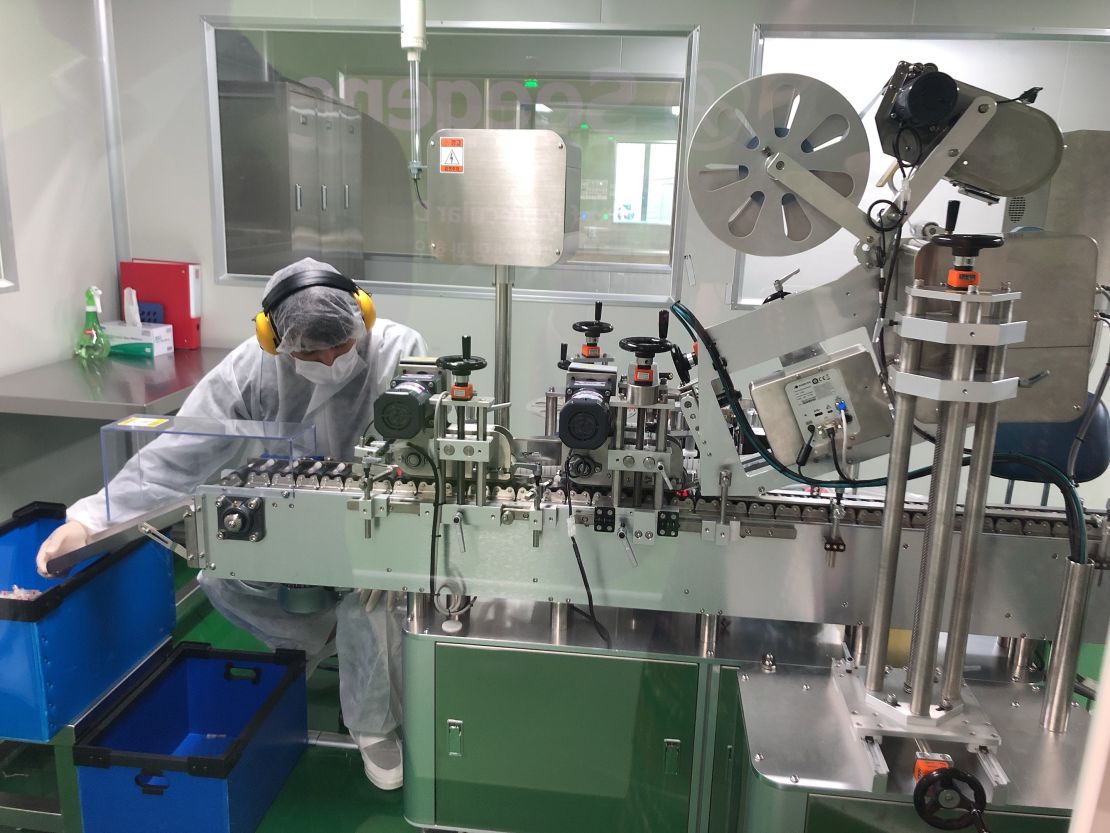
point(661, 447)
point(975, 506)
point(502, 338)
point(858, 644)
point(1060, 680)
point(1022, 658)
point(551, 412)
point(113, 130)
point(414, 117)
point(559, 612)
point(898, 467)
point(618, 443)
point(638, 477)
point(707, 634)
point(480, 468)
point(937, 544)
point(460, 466)
point(419, 612)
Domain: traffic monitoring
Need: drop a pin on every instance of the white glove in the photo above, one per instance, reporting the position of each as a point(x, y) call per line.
point(70, 536)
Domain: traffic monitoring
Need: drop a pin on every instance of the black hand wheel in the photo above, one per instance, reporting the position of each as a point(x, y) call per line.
point(463, 364)
point(949, 790)
point(595, 328)
point(592, 328)
point(968, 245)
point(460, 365)
point(645, 347)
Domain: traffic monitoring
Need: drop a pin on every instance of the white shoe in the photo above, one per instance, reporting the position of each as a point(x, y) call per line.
point(381, 759)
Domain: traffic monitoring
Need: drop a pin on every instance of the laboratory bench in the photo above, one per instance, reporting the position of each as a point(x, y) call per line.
point(110, 389)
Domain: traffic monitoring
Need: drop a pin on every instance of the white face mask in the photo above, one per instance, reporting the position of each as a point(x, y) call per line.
point(341, 371)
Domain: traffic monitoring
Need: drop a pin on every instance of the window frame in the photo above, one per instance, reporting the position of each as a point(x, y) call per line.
point(9, 279)
point(675, 269)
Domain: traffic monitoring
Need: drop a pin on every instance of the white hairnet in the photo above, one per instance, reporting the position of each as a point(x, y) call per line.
point(315, 318)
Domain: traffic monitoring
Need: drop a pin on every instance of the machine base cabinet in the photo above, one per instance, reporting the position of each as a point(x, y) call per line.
point(203, 744)
point(546, 742)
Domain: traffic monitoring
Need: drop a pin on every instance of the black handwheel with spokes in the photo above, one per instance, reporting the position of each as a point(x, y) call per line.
point(950, 799)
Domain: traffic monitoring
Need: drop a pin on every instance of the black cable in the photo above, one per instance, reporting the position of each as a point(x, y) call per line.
point(436, 504)
point(600, 628)
point(419, 199)
point(836, 457)
point(1027, 97)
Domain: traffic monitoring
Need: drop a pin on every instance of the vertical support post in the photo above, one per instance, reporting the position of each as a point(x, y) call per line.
point(559, 612)
point(551, 413)
point(975, 505)
point(618, 443)
point(419, 612)
point(502, 338)
point(898, 467)
point(937, 544)
point(1060, 681)
point(661, 447)
point(707, 634)
point(480, 468)
point(1021, 658)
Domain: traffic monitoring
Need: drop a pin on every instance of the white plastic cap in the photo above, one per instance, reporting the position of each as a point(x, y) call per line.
point(414, 36)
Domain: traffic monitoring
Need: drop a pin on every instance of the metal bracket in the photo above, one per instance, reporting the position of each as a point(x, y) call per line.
point(821, 196)
point(468, 451)
point(947, 390)
point(947, 332)
point(633, 460)
point(932, 170)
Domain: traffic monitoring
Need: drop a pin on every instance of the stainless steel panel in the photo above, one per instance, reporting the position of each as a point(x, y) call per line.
point(512, 202)
point(349, 202)
point(799, 738)
point(760, 576)
point(1056, 275)
point(329, 162)
point(304, 174)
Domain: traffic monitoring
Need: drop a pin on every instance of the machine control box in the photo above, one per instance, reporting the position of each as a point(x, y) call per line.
point(834, 389)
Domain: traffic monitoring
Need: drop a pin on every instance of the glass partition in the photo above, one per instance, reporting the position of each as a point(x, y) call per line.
point(314, 143)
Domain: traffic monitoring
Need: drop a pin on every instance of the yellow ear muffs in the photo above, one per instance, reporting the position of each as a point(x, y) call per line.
point(264, 332)
point(268, 338)
point(366, 307)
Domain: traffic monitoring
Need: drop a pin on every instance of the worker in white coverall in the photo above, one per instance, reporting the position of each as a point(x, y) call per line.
point(328, 369)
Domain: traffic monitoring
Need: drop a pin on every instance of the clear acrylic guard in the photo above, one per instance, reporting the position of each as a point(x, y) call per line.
point(149, 460)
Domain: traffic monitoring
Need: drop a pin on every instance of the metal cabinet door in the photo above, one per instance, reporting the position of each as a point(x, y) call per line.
point(329, 136)
point(350, 199)
point(548, 742)
point(304, 177)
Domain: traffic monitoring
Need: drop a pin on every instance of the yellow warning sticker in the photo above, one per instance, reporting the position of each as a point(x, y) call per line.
point(143, 422)
point(451, 160)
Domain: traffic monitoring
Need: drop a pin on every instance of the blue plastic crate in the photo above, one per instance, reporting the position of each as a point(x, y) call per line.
point(203, 744)
point(60, 652)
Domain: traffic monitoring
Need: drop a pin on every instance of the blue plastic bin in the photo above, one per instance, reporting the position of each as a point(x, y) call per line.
point(62, 651)
point(203, 744)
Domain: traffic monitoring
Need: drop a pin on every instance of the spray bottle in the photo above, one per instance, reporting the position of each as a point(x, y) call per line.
point(92, 343)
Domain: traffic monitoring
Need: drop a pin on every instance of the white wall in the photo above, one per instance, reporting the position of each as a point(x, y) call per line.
point(53, 140)
point(53, 136)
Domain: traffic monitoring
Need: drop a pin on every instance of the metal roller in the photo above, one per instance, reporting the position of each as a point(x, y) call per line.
point(781, 113)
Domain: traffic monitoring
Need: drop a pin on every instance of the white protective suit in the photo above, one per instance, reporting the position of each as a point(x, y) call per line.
point(250, 384)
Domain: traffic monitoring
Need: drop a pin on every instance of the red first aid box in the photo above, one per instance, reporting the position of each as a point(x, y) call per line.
point(175, 285)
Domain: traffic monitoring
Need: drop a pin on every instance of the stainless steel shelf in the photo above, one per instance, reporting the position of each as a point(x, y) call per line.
point(109, 390)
